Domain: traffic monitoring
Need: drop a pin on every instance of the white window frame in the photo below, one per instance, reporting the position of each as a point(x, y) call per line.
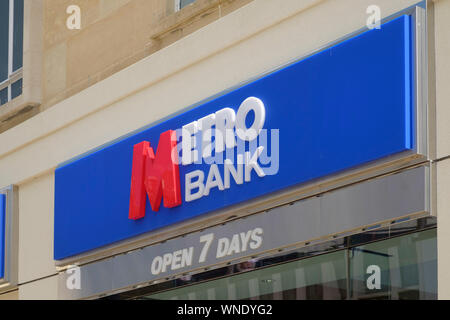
point(13, 76)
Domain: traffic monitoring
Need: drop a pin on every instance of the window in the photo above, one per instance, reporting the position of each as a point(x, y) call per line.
point(317, 278)
point(11, 49)
point(394, 262)
point(407, 269)
point(180, 4)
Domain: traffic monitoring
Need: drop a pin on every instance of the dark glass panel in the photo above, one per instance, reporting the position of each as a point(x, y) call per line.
point(4, 39)
point(4, 96)
point(184, 3)
point(18, 35)
point(16, 89)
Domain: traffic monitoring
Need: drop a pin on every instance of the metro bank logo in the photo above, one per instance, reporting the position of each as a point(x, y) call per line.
point(157, 175)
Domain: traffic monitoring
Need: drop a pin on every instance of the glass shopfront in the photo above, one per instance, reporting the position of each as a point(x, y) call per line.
point(321, 277)
point(392, 264)
point(407, 265)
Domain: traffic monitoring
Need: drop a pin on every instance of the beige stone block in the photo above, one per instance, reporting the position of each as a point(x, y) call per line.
point(54, 70)
point(228, 6)
point(442, 45)
point(123, 63)
point(36, 199)
point(146, 16)
point(172, 21)
point(101, 45)
point(54, 22)
point(90, 11)
point(114, 39)
point(170, 37)
point(33, 20)
point(80, 86)
point(42, 289)
point(32, 51)
point(122, 36)
point(170, 6)
point(191, 18)
point(55, 17)
point(109, 6)
point(12, 295)
point(18, 117)
point(201, 20)
point(52, 101)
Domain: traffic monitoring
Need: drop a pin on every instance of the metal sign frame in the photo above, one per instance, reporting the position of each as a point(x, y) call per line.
point(11, 240)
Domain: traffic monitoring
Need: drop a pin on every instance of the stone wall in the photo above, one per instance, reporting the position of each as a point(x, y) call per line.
point(114, 34)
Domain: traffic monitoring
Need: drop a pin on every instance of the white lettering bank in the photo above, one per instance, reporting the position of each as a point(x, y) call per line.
point(225, 126)
point(227, 247)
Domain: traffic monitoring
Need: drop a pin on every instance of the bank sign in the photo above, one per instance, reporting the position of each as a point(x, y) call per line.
point(2, 234)
point(340, 108)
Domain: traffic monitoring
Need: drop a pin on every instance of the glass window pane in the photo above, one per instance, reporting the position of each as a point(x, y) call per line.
point(400, 268)
point(184, 3)
point(16, 89)
point(321, 277)
point(4, 96)
point(4, 41)
point(18, 35)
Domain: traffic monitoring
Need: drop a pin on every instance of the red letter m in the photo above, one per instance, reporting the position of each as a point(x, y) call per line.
point(156, 176)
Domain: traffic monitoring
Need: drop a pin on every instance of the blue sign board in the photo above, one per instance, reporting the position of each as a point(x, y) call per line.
point(340, 108)
point(2, 234)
